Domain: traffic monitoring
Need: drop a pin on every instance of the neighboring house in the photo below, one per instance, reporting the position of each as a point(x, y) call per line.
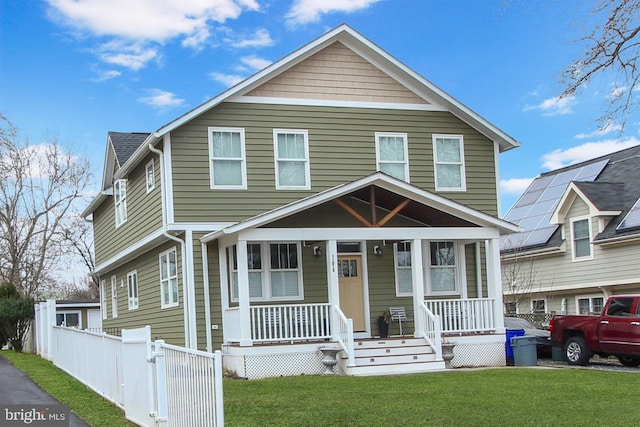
point(581, 238)
point(297, 207)
point(81, 314)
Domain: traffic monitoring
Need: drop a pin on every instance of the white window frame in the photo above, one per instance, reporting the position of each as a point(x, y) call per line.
point(242, 159)
point(398, 268)
point(103, 299)
point(132, 289)
point(267, 291)
point(150, 173)
point(65, 313)
point(533, 305)
point(573, 239)
point(306, 161)
point(114, 297)
point(120, 201)
point(590, 298)
point(169, 280)
point(459, 260)
point(461, 163)
point(405, 162)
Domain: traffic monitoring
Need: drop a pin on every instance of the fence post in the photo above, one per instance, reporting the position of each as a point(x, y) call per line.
point(217, 372)
point(161, 384)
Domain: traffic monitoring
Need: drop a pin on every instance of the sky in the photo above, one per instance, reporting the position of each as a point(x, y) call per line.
point(77, 69)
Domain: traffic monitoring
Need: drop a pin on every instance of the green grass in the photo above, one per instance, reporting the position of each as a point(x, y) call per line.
point(86, 404)
point(486, 397)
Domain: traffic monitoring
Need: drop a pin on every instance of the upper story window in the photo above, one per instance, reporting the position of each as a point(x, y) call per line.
point(169, 278)
point(581, 239)
point(392, 154)
point(132, 288)
point(151, 176)
point(291, 148)
point(404, 279)
point(120, 199)
point(448, 155)
point(443, 267)
point(227, 167)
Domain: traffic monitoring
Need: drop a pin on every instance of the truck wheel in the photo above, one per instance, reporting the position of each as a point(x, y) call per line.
point(631, 362)
point(576, 351)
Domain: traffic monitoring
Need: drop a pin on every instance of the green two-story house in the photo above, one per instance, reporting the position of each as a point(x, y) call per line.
point(288, 215)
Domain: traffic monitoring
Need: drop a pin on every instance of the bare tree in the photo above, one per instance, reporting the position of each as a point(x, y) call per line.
point(78, 234)
point(38, 187)
point(518, 280)
point(613, 46)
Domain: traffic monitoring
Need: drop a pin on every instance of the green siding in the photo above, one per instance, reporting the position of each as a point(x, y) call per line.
point(342, 149)
point(144, 214)
point(166, 324)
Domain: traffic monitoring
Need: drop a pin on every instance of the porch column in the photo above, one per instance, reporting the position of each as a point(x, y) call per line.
point(333, 289)
point(243, 295)
point(494, 281)
point(417, 278)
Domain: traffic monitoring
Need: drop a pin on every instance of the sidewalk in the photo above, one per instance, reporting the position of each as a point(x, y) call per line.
point(16, 388)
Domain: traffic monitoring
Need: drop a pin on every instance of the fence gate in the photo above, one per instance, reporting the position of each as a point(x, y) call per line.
point(139, 381)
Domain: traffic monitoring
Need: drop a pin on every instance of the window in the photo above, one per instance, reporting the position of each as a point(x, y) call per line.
point(228, 168)
point(291, 149)
point(581, 238)
point(448, 154)
point(538, 306)
point(277, 276)
point(620, 306)
point(69, 319)
point(590, 305)
point(103, 299)
point(169, 278)
point(120, 198)
point(151, 176)
point(404, 280)
point(132, 288)
point(442, 267)
point(392, 154)
point(510, 308)
point(114, 297)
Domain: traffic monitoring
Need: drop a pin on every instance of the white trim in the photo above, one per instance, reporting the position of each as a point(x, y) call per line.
point(242, 159)
point(396, 267)
point(65, 312)
point(590, 297)
point(306, 161)
point(149, 241)
point(190, 291)
point(151, 187)
point(168, 176)
point(207, 302)
point(496, 161)
point(405, 146)
point(120, 201)
point(567, 199)
point(103, 299)
point(133, 302)
point(114, 296)
point(334, 103)
point(572, 239)
point(171, 303)
point(461, 163)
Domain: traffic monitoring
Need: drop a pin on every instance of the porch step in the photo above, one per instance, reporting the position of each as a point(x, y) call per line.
point(390, 357)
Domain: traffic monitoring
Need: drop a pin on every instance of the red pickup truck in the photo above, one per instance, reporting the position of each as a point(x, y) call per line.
point(616, 331)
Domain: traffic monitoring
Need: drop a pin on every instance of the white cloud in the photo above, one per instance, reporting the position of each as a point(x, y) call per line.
point(589, 150)
point(255, 63)
point(226, 79)
point(554, 106)
point(146, 21)
point(104, 75)
point(260, 38)
point(604, 130)
point(159, 98)
point(305, 11)
point(515, 185)
point(128, 55)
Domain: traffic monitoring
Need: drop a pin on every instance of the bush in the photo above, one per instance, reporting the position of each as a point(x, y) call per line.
point(16, 313)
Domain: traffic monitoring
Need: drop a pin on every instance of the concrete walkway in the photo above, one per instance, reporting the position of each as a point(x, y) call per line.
point(16, 388)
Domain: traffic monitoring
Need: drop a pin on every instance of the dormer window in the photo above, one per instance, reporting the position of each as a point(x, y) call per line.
point(581, 239)
point(120, 199)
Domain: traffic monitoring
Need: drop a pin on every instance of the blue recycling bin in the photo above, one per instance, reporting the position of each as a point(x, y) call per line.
point(507, 345)
point(524, 350)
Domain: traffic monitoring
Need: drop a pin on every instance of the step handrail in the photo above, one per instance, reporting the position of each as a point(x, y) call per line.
point(343, 334)
point(432, 332)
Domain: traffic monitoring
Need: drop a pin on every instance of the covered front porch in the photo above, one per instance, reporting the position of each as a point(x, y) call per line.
point(319, 273)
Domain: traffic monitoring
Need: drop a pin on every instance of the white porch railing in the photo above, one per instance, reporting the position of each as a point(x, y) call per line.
point(290, 322)
point(432, 330)
point(344, 334)
point(464, 315)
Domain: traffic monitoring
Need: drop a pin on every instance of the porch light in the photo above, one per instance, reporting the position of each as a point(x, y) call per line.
point(317, 251)
point(377, 250)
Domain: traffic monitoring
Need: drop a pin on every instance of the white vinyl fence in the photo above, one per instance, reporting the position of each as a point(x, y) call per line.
point(155, 383)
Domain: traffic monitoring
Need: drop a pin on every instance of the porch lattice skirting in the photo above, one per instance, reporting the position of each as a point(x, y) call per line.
point(275, 365)
point(474, 354)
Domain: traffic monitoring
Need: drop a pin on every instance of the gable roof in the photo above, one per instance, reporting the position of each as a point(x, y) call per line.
point(464, 214)
point(609, 185)
point(126, 143)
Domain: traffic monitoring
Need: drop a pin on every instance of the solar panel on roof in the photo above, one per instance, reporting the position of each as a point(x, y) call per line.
point(534, 208)
point(632, 219)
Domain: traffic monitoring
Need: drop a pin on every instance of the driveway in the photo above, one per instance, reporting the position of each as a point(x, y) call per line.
point(16, 388)
point(597, 363)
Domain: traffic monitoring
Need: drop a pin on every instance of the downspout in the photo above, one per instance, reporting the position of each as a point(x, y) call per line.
point(207, 303)
point(165, 233)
